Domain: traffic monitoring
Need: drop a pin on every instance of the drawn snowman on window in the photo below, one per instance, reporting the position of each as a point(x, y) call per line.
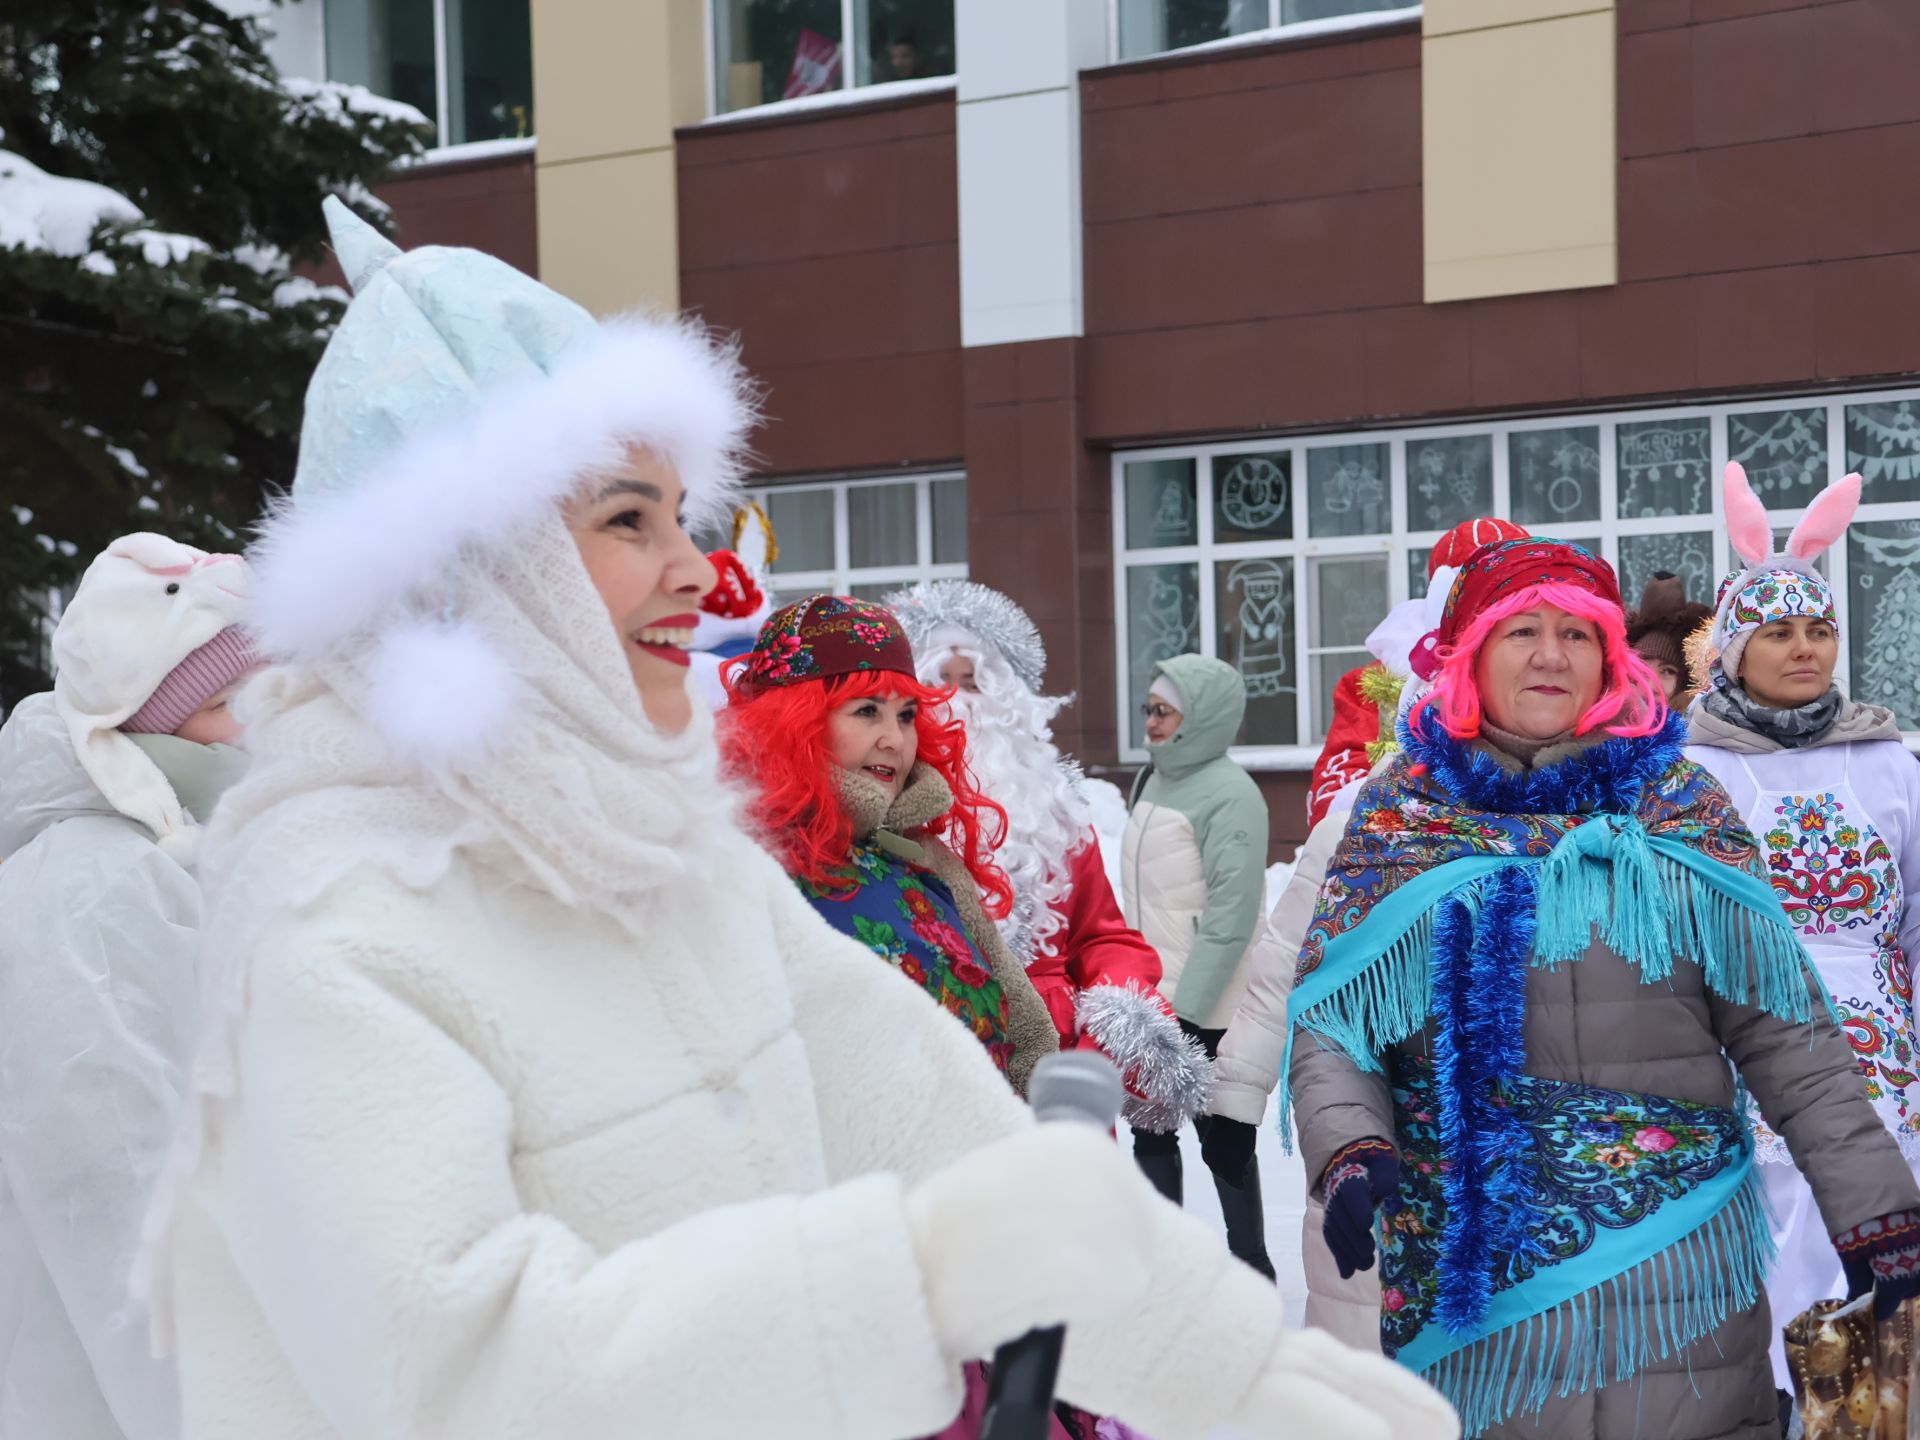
point(1260, 648)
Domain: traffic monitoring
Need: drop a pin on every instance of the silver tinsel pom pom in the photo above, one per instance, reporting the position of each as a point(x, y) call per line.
point(978, 610)
point(1159, 1059)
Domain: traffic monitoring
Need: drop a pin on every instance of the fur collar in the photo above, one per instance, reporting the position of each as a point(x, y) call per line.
point(924, 800)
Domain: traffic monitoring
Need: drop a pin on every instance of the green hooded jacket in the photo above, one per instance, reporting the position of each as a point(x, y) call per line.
point(1193, 864)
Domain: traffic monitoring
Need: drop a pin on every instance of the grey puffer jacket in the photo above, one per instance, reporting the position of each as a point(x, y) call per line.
point(1595, 1023)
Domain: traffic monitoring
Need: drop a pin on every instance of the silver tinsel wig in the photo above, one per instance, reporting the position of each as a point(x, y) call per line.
point(926, 608)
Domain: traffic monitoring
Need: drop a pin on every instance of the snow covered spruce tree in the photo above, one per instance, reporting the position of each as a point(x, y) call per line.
point(160, 186)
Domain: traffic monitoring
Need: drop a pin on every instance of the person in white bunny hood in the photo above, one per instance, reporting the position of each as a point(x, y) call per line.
point(1833, 796)
point(537, 1100)
point(103, 781)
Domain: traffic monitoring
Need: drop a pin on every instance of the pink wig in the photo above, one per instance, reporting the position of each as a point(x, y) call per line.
point(1632, 700)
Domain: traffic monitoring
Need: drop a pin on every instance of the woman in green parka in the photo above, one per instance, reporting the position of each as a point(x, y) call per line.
point(1193, 879)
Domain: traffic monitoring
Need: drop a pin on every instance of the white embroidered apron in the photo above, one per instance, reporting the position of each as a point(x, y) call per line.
point(1835, 875)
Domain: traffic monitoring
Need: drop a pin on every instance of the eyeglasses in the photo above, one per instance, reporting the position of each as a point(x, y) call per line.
point(1154, 710)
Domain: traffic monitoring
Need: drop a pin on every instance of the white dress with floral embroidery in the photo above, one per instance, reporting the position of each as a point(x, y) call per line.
point(1837, 826)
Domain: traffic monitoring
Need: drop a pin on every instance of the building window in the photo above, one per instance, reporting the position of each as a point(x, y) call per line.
point(1148, 27)
point(467, 65)
point(1280, 557)
point(866, 537)
point(767, 50)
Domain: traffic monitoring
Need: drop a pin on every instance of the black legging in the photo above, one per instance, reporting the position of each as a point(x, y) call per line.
point(1146, 1142)
point(1240, 1204)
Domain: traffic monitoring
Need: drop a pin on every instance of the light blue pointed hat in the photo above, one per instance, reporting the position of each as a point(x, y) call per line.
point(427, 333)
point(459, 403)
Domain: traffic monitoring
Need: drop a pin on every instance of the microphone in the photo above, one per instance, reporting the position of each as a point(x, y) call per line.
point(1077, 1085)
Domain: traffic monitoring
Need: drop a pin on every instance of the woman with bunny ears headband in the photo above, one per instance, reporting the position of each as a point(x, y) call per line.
point(1834, 798)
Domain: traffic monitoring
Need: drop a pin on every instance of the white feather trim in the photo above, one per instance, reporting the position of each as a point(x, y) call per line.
point(441, 695)
point(1166, 1066)
point(332, 566)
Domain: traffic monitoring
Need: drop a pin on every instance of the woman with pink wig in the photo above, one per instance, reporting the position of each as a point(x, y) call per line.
point(1544, 948)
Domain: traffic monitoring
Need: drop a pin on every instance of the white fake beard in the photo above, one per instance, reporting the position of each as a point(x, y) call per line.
point(1011, 753)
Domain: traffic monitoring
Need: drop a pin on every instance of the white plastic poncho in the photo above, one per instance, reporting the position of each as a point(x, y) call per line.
point(96, 998)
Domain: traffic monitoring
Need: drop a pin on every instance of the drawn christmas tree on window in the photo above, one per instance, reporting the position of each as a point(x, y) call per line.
point(1888, 647)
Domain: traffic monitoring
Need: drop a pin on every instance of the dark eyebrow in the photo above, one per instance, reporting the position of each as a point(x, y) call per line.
point(641, 488)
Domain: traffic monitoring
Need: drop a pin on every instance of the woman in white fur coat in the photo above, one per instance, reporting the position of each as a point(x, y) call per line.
point(540, 1104)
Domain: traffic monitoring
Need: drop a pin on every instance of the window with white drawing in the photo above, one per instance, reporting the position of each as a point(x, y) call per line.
point(1281, 556)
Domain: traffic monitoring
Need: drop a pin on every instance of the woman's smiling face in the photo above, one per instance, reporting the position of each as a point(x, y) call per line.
point(1539, 671)
point(874, 735)
point(650, 575)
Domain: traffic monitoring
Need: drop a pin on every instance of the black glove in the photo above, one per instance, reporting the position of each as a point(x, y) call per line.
point(1882, 1255)
point(1227, 1146)
point(1360, 1177)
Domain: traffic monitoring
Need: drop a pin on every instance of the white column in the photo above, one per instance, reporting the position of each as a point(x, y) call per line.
point(1019, 162)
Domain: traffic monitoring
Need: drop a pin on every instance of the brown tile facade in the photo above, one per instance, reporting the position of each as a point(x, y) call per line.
point(486, 204)
point(830, 243)
point(1040, 520)
point(1260, 200)
point(1252, 262)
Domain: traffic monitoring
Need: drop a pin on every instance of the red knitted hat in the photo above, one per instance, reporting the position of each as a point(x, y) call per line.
point(1468, 536)
point(821, 637)
point(1496, 571)
point(738, 594)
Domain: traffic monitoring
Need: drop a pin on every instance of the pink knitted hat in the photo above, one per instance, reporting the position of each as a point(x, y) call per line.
point(195, 680)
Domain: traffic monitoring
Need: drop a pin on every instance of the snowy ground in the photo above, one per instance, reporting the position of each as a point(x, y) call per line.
point(1283, 1185)
point(1283, 1180)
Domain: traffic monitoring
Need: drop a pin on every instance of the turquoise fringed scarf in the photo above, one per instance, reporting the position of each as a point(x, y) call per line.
point(1454, 878)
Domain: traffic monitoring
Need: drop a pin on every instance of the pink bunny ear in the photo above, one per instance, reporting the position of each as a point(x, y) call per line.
point(1826, 519)
point(1747, 524)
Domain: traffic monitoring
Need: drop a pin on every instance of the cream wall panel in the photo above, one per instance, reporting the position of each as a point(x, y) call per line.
point(1450, 17)
point(611, 82)
point(1519, 153)
point(611, 79)
point(608, 231)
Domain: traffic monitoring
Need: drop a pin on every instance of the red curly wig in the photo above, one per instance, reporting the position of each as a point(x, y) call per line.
point(776, 742)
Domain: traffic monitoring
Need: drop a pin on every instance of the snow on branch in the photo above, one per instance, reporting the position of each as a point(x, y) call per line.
point(338, 101)
point(46, 212)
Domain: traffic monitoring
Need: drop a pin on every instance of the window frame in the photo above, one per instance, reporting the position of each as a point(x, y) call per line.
point(844, 575)
point(445, 149)
point(1274, 29)
point(1604, 534)
point(848, 16)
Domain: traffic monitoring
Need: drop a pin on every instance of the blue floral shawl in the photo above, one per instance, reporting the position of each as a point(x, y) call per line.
point(1520, 1196)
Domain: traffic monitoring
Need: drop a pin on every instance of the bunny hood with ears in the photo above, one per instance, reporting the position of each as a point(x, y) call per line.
point(145, 604)
point(1770, 585)
point(458, 404)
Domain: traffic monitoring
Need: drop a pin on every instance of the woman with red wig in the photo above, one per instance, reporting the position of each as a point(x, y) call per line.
point(859, 785)
point(1544, 947)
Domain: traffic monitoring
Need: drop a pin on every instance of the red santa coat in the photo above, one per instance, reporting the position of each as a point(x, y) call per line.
point(1097, 976)
point(1343, 759)
point(1094, 946)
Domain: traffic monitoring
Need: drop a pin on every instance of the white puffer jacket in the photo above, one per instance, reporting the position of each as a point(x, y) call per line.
point(1248, 1068)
